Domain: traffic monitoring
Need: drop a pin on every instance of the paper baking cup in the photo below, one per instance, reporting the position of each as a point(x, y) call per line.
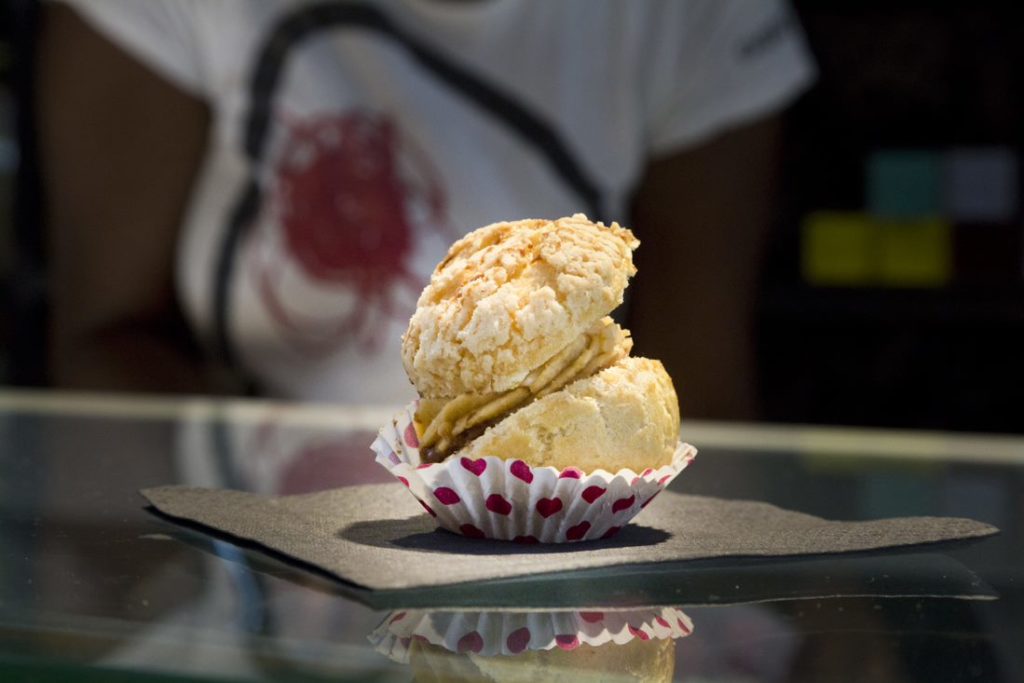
point(511, 633)
point(508, 500)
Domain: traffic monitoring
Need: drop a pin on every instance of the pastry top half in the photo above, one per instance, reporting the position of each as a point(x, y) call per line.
point(508, 297)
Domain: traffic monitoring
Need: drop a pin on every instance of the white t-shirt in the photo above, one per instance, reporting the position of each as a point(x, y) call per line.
point(352, 142)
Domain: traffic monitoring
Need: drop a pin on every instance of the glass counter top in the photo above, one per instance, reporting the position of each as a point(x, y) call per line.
point(93, 586)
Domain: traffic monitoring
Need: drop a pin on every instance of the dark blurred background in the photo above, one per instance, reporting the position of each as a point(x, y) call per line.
point(22, 249)
point(894, 290)
point(894, 295)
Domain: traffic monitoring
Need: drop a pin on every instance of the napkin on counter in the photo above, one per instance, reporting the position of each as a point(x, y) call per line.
point(377, 537)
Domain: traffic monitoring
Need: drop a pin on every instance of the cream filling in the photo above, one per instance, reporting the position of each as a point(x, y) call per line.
point(443, 423)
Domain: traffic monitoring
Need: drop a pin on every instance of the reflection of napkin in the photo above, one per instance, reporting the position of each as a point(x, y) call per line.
point(377, 536)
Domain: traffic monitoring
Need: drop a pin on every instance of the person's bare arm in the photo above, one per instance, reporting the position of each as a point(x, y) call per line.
point(119, 149)
point(702, 218)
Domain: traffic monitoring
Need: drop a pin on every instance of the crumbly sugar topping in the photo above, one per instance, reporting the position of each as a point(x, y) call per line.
point(508, 297)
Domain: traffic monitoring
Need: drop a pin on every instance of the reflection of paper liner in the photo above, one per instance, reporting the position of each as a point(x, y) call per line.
point(508, 500)
point(511, 633)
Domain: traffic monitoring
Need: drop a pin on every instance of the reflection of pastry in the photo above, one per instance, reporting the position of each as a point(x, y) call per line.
point(638, 660)
point(626, 645)
point(513, 355)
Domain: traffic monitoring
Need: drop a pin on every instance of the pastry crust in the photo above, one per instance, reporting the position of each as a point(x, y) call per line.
point(626, 416)
point(508, 297)
point(441, 423)
point(637, 660)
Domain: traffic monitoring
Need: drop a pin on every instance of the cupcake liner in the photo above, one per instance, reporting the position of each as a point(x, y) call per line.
point(508, 500)
point(511, 633)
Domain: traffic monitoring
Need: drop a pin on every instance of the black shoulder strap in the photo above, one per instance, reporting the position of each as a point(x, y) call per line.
point(291, 30)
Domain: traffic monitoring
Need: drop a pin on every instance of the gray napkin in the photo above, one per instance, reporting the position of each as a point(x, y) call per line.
point(378, 537)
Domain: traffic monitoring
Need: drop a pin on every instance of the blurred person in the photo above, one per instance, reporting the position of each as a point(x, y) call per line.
point(265, 186)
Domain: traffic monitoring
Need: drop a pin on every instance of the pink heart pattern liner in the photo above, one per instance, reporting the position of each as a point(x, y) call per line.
point(494, 498)
point(512, 633)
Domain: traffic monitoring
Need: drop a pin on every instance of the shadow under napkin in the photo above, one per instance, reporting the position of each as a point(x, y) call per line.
point(316, 529)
